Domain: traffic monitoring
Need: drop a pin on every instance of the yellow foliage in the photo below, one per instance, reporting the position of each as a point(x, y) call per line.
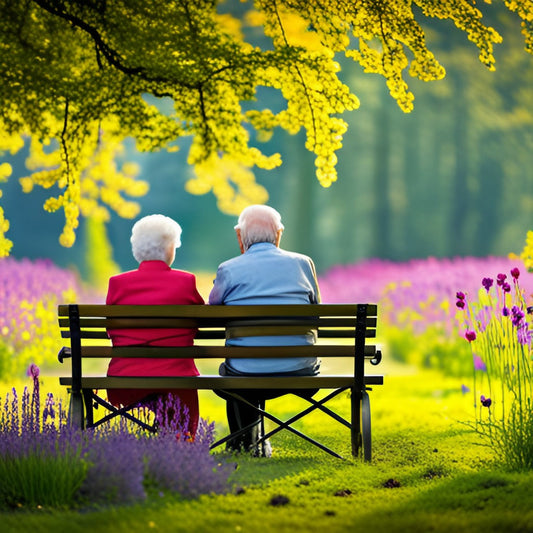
point(527, 253)
point(75, 82)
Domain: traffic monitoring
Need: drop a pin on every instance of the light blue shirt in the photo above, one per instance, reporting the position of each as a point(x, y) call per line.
point(266, 274)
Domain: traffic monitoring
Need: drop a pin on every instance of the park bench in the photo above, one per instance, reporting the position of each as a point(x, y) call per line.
point(342, 331)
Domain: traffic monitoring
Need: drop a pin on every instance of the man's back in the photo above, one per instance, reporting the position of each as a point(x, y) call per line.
point(264, 275)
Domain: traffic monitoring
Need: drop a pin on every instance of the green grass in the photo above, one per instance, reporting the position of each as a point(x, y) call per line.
point(428, 473)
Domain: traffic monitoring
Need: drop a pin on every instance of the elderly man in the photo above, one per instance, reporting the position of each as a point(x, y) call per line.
point(263, 274)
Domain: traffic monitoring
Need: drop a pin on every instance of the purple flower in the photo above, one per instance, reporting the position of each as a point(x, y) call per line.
point(515, 272)
point(500, 279)
point(485, 402)
point(470, 335)
point(460, 304)
point(479, 364)
point(33, 371)
point(506, 287)
point(524, 334)
point(464, 389)
point(517, 315)
point(487, 283)
point(505, 311)
point(460, 295)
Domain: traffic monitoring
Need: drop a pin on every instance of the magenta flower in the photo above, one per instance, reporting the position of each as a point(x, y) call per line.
point(487, 283)
point(515, 272)
point(460, 295)
point(485, 402)
point(460, 304)
point(479, 364)
point(500, 279)
point(470, 335)
point(506, 287)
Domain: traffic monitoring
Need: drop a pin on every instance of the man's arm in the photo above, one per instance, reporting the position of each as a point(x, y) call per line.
point(315, 298)
point(218, 292)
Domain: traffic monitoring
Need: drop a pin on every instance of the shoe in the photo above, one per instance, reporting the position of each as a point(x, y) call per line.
point(263, 450)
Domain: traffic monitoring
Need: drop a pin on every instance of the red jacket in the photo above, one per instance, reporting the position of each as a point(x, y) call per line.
point(153, 283)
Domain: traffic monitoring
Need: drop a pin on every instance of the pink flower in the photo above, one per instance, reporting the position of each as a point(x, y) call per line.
point(479, 364)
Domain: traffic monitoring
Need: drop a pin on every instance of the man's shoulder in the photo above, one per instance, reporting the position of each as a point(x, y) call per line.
point(233, 261)
point(294, 255)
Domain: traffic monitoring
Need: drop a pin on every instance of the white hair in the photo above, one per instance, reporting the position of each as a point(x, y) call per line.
point(259, 223)
point(152, 236)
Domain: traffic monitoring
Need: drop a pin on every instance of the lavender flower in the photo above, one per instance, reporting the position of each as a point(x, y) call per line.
point(104, 465)
point(524, 334)
point(516, 315)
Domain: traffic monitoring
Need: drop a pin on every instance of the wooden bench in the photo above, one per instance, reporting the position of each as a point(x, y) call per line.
point(343, 331)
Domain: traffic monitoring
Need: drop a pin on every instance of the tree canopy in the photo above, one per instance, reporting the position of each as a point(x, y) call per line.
point(80, 77)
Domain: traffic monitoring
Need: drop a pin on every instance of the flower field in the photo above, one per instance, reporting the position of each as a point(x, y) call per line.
point(419, 321)
point(29, 294)
point(465, 319)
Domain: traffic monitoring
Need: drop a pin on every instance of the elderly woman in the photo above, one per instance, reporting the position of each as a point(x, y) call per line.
point(154, 240)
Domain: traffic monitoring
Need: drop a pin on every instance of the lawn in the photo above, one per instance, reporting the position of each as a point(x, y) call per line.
point(429, 473)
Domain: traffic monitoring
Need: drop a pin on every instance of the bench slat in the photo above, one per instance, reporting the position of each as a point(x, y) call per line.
point(221, 352)
point(221, 334)
point(210, 311)
point(207, 382)
point(154, 322)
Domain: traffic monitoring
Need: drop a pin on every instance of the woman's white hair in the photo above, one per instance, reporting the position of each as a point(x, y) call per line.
point(259, 223)
point(152, 236)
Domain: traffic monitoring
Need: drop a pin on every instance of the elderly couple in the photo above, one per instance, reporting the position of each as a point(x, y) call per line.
point(262, 274)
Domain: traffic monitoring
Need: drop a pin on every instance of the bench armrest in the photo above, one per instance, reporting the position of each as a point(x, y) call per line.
point(64, 353)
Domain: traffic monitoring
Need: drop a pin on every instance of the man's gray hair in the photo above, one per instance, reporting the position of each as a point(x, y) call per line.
point(259, 223)
point(151, 237)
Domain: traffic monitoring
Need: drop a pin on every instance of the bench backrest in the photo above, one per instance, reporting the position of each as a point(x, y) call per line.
point(342, 330)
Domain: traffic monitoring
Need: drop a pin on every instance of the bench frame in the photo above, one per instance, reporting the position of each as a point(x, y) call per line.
point(345, 329)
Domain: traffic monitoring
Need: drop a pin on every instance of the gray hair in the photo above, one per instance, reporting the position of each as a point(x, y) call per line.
point(259, 223)
point(151, 237)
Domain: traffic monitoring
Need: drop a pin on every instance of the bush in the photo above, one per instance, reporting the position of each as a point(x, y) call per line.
point(44, 462)
point(498, 328)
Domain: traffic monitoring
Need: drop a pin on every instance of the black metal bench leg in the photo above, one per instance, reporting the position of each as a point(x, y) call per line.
point(76, 410)
point(366, 427)
point(356, 422)
point(88, 402)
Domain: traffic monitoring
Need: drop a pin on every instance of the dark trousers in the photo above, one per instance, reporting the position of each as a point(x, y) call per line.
point(240, 415)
